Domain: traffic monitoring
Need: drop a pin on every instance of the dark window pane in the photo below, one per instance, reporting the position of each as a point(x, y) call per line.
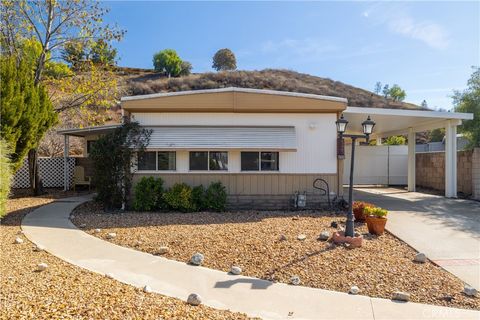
point(198, 160)
point(146, 161)
point(269, 161)
point(249, 161)
point(167, 160)
point(218, 160)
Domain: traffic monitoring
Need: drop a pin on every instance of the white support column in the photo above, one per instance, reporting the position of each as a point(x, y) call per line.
point(450, 159)
point(411, 160)
point(379, 141)
point(66, 148)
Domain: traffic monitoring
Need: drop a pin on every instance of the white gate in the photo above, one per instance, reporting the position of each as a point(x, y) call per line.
point(384, 165)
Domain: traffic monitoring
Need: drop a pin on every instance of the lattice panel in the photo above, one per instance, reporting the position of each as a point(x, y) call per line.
point(50, 170)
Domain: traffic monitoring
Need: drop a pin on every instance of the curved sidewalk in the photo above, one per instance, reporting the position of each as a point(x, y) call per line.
point(50, 226)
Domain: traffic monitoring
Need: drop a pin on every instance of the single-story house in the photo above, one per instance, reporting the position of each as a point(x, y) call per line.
point(263, 145)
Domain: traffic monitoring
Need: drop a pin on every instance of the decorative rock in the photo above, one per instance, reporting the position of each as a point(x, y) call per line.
point(301, 237)
point(354, 290)
point(197, 259)
point(447, 298)
point(111, 235)
point(163, 250)
point(109, 275)
point(334, 224)
point(38, 248)
point(147, 289)
point(42, 266)
point(83, 225)
point(20, 232)
point(401, 296)
point(194, 299)
point(18, 240)
point(282, 237)
point(469, 291)
point(295, 280)
point(296, 218)
point(97, 230)
point(324, 235)
point(420, 257)
point(236, 270)
point(138, 243)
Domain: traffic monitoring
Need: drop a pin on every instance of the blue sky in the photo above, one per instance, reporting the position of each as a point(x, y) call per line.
point(427, 48)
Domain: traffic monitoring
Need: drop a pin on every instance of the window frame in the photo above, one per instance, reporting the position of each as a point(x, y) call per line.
point(156, 162)
point(208, 161)
point(260, 161)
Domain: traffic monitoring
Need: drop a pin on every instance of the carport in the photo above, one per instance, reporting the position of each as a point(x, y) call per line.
point(391, 122)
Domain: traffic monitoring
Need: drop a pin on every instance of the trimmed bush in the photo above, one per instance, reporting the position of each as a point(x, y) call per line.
point(5, 176)
point(179, 197)
point(198, 197)
point(216, 197)
point(148, 194)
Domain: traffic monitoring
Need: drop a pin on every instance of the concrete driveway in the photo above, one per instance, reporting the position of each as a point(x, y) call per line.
point(446, 230)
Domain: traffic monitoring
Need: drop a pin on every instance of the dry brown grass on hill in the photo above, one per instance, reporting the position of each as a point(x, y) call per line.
point(138, 82)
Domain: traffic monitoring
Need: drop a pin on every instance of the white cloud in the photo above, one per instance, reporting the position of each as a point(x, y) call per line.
point(400, 21)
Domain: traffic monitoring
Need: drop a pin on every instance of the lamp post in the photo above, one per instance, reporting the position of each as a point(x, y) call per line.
point(367, 126)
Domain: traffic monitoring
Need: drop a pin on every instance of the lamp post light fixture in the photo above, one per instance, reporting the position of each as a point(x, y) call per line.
point(367, 126)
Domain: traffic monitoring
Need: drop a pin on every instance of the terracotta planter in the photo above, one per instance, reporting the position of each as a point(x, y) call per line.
point(359, 215)
point(376, 225)
point(355, 242)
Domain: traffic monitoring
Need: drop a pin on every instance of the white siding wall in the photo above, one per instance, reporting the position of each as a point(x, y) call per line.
point(316, 146)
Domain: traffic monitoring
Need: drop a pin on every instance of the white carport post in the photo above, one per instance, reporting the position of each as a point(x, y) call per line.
point(66, 148)
point(451, 159)
point(411, 159)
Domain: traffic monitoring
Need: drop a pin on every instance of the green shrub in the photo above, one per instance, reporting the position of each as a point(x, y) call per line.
point(148, 194)
point(179, 197)
point(198, 197)
point(5, 176)
point(216, 197)
point(376, 212)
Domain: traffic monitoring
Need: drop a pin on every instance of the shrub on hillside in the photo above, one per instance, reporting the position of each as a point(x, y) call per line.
point(216, 197)
point(179, 198)
point(5, 176)
point(148, 194)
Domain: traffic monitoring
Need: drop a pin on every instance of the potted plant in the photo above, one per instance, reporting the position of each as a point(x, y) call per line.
point(376, 220)
point(358, 209)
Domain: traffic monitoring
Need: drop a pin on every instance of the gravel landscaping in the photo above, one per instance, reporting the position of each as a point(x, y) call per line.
point(267, 245)
point(64, 291)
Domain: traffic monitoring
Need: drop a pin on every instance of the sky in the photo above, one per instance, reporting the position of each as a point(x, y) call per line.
point(427, 48)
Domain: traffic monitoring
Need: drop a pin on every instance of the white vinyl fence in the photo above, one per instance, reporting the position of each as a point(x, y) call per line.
point(50, 171)
point(384, 165)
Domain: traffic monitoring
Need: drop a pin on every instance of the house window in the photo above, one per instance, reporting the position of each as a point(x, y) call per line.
point(205, 160)
point(166, 160)
point(259, 161)
point(147, 160)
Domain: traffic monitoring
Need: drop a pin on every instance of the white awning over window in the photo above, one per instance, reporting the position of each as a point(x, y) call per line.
point(223, 137)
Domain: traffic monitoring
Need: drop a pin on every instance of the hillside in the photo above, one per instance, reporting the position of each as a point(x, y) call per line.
point(139, 82)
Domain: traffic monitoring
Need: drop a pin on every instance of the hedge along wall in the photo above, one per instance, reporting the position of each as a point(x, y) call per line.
point(430, 171)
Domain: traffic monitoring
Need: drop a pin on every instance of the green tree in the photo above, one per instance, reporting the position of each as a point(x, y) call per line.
point(396, 93)
point(436, 135)
point(5, 175)
point(26, 110)
point(378, 87)
point(469, 101)
point(386, 91)
point(224, 59)
point(102, 53)
point(168, 62)
point(74, 54)
point(424, 104)
point(395, 141)
point(186, 68)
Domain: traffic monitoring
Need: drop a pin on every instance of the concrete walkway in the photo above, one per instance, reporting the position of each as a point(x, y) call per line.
point(446, 230)
point(50, 226)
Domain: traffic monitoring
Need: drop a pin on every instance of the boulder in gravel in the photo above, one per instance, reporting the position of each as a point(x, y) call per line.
point(282, 237)
point(138, 243)
point(197, 259)
point(83, 225)
point(295, 280)
point(42, 266)
point(18, 240)
point(97, 230)
point(147, 289)
point(301, 237)
point(469, 291)
point(163, 250)
point(109, 275)
point(111, 235)
point(236, 270)
point(354, 290)
point(324, 235)
point(38, 248)
point(401, 296)
point(420, 258)
point(194, 299)
point(20, 232)
point(334, 224)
